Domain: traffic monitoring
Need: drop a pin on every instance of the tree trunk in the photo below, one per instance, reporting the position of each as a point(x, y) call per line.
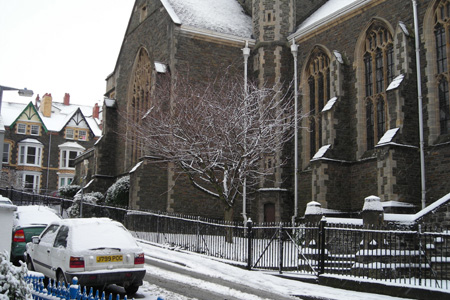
point(228, 216)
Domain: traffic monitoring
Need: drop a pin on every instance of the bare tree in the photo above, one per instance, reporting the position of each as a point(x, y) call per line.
point(215, 134)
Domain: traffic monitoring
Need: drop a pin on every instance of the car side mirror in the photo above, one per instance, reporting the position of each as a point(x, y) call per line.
point(35, 240)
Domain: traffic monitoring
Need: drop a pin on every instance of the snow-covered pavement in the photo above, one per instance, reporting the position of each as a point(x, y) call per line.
point(258, 280)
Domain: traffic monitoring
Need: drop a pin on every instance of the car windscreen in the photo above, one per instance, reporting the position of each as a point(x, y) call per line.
point(100, 236)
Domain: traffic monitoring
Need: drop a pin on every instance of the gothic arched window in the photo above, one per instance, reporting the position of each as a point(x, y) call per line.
point(319, 93)
point(139, 102)
point(441, 33)
point(378, 73)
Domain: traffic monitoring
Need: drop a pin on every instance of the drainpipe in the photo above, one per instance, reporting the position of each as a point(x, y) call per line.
point(419, 95)
point(48, 162)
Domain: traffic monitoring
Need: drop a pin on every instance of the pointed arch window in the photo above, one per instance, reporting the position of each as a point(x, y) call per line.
point(441, 34)
point(378, 73)
point(139, 102)
point(319, 93)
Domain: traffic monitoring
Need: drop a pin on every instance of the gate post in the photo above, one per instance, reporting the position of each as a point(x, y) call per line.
point(249, 244)
point(198, 234)
point(323, 223)
point(281, 250)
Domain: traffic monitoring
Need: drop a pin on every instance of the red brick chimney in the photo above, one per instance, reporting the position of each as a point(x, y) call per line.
point(66, 99)
point(95, 111)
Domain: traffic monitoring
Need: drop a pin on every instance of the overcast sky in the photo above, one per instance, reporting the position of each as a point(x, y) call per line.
point(60, 46)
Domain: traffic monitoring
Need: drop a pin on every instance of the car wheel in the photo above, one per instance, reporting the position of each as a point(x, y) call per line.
point(60, 277)
point(132, 289)
point(30, 265)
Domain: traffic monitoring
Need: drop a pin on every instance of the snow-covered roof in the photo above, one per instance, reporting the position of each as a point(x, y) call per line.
point(61, 114)
point(73, 145)
point(110, 102)
point(221, 16)
point(328, 12)
point(31, 141)
point(136, 167)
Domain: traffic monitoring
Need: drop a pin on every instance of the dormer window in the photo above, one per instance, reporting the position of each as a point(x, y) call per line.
point(82, 135)
point(34, 130)
point(21, 128)
point(70, 134)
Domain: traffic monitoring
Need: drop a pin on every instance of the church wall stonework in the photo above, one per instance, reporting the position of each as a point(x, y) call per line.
point(347, 173)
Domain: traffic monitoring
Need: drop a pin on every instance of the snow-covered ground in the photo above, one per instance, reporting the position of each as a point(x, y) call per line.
point(255, 279)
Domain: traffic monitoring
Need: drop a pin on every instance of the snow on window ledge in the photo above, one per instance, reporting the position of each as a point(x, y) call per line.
point(329, 104)
point(395, 82)
point(321, 153)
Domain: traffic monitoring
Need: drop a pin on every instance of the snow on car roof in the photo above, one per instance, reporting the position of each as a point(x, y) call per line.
point(35, 214)
point(94, 233)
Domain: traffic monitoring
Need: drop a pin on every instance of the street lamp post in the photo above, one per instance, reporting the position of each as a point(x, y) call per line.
point(22, 92)
point(294, 50)
point(246, 53)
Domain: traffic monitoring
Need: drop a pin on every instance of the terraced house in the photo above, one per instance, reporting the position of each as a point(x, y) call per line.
point(360, 75)
point(42, 140)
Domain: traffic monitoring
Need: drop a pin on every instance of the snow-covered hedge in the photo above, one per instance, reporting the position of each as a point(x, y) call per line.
point(69, 191)
point(89, 198)
point(118, 193)
point(12, 280)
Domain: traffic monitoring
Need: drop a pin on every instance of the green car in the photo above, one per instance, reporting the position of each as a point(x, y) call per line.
point(29, 221)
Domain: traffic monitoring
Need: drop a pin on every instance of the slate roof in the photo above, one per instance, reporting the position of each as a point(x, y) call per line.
point(221, 16)
point(59, 118)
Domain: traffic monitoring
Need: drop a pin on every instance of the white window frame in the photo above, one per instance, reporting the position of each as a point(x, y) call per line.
point(35, 127)
point(64, 180)
point(70, 136)
point(7, 153)
point(24, 153)
point(36, 181)
point(21, 128)
point(82, 137)
point(64, 162)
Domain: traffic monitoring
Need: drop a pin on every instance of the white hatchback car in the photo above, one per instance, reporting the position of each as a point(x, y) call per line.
point(98, 251)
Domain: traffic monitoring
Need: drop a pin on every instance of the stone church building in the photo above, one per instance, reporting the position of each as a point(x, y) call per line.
point(357, 77)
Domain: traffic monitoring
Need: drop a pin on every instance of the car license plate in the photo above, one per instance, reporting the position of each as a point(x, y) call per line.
point(109, 258)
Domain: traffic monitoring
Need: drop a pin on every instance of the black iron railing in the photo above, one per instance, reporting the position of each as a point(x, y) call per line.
point(411, 255)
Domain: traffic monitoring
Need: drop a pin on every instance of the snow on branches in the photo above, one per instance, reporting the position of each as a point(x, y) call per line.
point(213, 132)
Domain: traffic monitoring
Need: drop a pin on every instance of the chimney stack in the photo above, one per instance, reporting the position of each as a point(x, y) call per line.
point(96, 111)
point(46, 105)
point(66, 99)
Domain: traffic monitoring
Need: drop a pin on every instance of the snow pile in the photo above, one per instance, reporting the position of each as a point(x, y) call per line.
point(372, 203)
point(12, 280)
point(313, 208)
point(222, 16)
